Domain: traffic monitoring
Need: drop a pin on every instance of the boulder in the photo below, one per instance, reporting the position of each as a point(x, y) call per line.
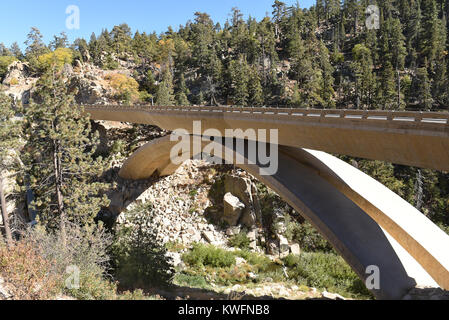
point(284, 248)
point(246, 191)
point(252, 235)
point(102, 147)
point(253, 245)
point(232, 231)
point(4, 292)
point(295, 249)
point(332, 296)
point(273, 247)
point(233, 209)
point(209, 236)
point(67, 70)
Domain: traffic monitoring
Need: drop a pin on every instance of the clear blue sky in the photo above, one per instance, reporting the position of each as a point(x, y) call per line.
point(18, 16)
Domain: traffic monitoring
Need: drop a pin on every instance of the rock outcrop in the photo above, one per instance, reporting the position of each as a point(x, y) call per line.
point(245, 190)
point(19, 81)
point(233, 209)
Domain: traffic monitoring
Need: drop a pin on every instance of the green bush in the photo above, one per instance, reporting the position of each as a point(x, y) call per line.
point(307, 236)
point(325, 271)
point(110, 64)
point(208, 255)
point(240, 241)
point(193, 281)
point(261, 262)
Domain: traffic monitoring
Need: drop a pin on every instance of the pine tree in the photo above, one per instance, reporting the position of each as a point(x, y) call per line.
point(165, 95)
point(16, 51)
point(35, 47)
point(9, 140)
point(429, 37)
point(239, 74)
point(279, 15)
point(60, 41)
point(181, 96)
point(255, 91)
point(398, 59)
point(387, 97)
point(362, 67)
point(422, 88)
point(440, 85)
point(327, 85)
point(3, 50)
point(62, 165)
point(332, 9)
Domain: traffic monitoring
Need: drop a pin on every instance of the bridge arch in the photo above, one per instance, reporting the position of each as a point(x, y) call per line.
point(364, 230)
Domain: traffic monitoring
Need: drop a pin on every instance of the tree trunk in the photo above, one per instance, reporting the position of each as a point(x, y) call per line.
point(8, 233)
point(419, 190)
point(58, 184)
point(399, 88)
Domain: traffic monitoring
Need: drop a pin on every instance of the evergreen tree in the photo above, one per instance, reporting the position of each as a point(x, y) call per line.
point(422, 88)
point(61, 161)
point(60, 41)
point(365, 78)
point(16, 51)
point(440, 85)
point(165, 95)
point(327, 85)
point(387, 97)
point(183, 92)
point(35, 46)
point(429, 42)
point(239, 74)
point(9, 143)
point(255, 91)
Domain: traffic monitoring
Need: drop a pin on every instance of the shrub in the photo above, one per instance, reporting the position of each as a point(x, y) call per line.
point(193, 281)
point(5, 62)
point(307, 236)
point(261, 262)
point(87, 250)
point(126, 88)
point(110, 63)
point(240, 241)
point(145, 96)
point(140, 261)
point(56, 59)
point(25, 271)
point(325, 271)
point(208, 255)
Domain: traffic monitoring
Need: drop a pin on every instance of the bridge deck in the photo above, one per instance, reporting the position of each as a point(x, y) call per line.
point(418, 139)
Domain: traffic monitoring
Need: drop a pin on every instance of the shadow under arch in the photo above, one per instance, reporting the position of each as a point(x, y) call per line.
point(355, 235)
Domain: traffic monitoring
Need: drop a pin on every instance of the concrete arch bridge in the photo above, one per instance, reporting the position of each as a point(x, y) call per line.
point(370, 226)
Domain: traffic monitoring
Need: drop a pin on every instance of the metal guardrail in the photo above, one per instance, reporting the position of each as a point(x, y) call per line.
point(375, 115)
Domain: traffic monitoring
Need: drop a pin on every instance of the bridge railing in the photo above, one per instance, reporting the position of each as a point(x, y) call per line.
point(368, 115)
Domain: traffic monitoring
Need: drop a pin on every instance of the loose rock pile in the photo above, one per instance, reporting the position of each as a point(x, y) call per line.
point(179, 202)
